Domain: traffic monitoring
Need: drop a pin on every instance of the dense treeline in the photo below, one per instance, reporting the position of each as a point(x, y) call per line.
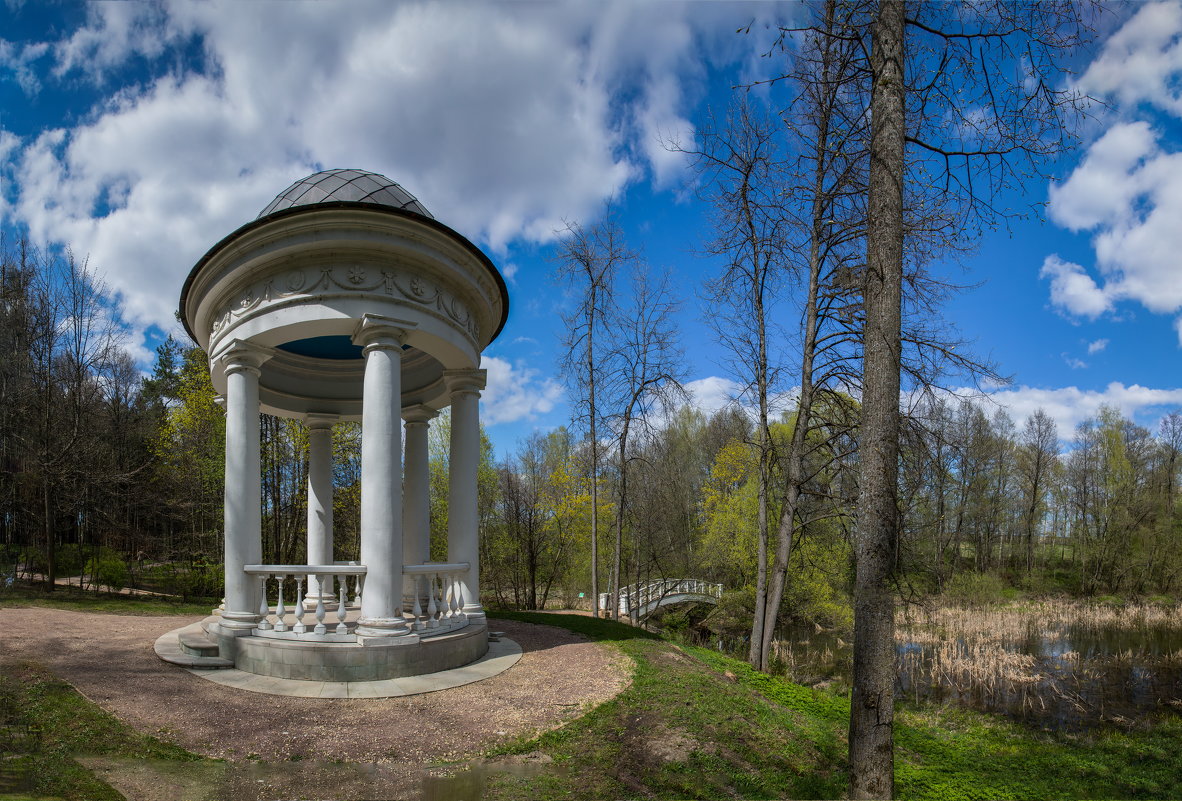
point(107, 473)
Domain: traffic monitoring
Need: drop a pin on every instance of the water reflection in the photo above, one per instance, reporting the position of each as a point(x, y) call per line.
point(1056, 665)
point(469, 784)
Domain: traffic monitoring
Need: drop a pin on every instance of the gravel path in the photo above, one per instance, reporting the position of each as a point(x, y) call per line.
point(109, 658)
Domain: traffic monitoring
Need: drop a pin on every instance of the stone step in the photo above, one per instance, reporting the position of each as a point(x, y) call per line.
point(197, 643)
point(190, 648)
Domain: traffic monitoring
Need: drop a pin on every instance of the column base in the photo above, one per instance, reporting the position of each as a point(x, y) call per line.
point(238, 621)
point(382, 627)
point(474, 613)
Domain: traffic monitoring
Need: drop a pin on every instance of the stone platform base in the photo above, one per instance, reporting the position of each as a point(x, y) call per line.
point(373, 659)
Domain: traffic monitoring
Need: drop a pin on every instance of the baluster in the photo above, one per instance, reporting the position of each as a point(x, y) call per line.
point(343, 589)
point(432, 609)
point(280, 610)
point(417, 609)
point(264, 610)
point(460, 600)
point(320, 610)
point(357, 587)
point(455, 601)
point(299, 627)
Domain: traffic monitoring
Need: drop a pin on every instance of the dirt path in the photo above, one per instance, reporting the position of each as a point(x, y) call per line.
point(109, 658)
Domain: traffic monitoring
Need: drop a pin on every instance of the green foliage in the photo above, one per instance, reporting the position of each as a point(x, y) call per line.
point(107, 570)
point(818, 582)
point(70, 559)
point(977, 589)
point(732, 616)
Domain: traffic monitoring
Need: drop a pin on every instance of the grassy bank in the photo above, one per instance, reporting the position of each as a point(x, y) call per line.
point(692, 724)
point(45, 724)
point(696, 724)
point(79, 600)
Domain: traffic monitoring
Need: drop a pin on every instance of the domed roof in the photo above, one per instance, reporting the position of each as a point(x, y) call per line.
point(355, 186)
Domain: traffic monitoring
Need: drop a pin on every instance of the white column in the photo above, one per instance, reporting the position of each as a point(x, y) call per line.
point(416, 487)
point(381, 477)
point(320, 549)
point(464, 461)
point(243, 509)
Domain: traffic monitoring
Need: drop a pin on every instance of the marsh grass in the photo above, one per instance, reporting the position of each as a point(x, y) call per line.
point(1060, 664)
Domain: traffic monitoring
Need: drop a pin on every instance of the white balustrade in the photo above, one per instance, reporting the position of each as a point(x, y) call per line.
point(275, 623)
point(441, 585)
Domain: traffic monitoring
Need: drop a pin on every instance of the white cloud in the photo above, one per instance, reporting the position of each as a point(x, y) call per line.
point(1070, 406)
point(1074, 363)
point(1127, 190)
point(19, 64)
point(1140, 62)
point(1108, 179)
point(1097, 346)
point(709, 395)
point(1073, 289)
point(113, 32)
point(516, 392)
point(504, 119)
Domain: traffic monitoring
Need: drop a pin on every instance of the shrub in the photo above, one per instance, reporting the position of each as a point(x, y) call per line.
point(977, 589)
point(107, 570)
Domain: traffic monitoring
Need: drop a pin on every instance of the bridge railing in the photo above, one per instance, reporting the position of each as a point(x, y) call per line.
point(649, 595)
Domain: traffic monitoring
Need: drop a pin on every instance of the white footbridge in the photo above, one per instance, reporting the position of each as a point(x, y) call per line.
point(641, 600)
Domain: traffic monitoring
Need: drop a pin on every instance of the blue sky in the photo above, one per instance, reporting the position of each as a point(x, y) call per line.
point(141, 133)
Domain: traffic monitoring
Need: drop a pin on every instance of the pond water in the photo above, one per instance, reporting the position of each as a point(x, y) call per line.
point(1054, 665)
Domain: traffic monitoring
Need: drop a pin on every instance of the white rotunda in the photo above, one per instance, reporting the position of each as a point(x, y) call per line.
point(347, 300)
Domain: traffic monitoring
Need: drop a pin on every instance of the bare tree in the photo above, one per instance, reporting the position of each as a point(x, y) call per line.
point(589, 260)
point(1038, 453)
point(745, 181)
point(641, 387)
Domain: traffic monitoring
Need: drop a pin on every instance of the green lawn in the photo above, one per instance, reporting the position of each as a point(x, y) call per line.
point(692, 724)
point(696, 724)
point(45, 724)
point(105, 602)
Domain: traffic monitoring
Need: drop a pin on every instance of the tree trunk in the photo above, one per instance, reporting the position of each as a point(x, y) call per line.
point(871, 741)
point(50, 549)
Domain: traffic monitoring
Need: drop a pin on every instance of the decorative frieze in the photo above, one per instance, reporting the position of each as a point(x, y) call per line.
point(354, 278)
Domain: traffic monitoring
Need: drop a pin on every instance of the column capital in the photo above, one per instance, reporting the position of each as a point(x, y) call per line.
point(243, 355)
point(375, 331)
point(320, 420)
point(468, 380)
point(419, 414)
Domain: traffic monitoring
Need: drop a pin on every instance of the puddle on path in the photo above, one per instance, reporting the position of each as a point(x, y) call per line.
point(469, 783)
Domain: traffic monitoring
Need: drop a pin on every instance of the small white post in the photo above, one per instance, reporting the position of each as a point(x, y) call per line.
point(264, 610)
point(417, 610)
point(322, 588)
point(432, 609)
point(299, 627)
point(343, 589)
point(280, 610)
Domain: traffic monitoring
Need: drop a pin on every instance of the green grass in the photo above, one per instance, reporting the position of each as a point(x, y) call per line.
point(79, 600)
point(46, 723)
point(696, 724)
